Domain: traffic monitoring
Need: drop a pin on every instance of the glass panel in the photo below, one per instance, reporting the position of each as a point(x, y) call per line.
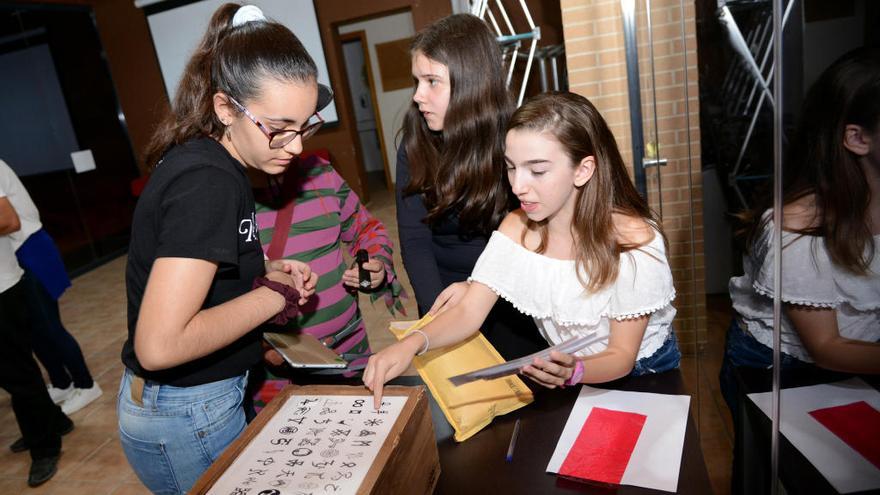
point(60, 99)
point(829, 329)
point(670, 160)
point(736, 123)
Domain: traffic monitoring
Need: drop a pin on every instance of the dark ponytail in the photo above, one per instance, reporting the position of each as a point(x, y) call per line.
point(233, 60)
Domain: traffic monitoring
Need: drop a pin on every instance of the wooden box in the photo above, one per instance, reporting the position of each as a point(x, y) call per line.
point(407, 461)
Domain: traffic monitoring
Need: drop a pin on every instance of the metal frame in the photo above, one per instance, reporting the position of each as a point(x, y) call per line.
point(512, 40)
point(758, 42)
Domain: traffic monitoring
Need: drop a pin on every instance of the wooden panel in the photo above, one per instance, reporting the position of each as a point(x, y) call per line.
point(394, 64)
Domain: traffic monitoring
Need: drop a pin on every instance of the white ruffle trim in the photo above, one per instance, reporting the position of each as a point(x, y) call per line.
point(592, 320)
point(642, 312)
point(548, 288)
point(800, 302)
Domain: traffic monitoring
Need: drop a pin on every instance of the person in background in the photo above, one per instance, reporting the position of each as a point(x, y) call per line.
point(45, 279)
point(40, 420)
point(310, 216)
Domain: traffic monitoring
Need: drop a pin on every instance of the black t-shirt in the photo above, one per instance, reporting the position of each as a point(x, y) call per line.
point(197, 204)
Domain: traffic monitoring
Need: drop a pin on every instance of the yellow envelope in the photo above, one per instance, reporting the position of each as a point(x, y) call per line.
point(472, 406)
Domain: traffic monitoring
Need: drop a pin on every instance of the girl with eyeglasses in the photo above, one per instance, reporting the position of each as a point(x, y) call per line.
point(198, 286)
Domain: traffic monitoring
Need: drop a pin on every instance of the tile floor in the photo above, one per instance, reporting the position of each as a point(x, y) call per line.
point(94, 311)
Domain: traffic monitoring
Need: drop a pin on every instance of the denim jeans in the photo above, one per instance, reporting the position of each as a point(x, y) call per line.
point(666, 358)
point(741, 349)
point(179, 431)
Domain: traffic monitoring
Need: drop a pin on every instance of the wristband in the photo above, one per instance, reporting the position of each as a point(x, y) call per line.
point(576, 375)
point(291, 298)
point(427, 342)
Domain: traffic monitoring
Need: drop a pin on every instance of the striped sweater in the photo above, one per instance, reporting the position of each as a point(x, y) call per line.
point(327, 213)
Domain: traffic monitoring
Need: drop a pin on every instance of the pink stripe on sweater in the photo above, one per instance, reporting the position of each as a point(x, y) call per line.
point(315, 207)
point(326, 263)
point(310, 240)
point(328, 327)
point(327, 297)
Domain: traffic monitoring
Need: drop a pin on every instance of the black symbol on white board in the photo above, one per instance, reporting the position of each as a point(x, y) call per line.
point(269, 492)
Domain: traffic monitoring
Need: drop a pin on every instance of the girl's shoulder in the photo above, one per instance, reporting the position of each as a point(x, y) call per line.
point(633, 231)
point(801, 214)
point(515, 226)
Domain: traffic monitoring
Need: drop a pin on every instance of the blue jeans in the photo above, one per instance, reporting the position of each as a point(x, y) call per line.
point(179, 431)
point(741, 349)
point(666, 358)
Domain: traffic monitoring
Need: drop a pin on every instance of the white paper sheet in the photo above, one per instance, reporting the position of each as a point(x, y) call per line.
point(314, 443)
point(843, 467)
point(656, 458)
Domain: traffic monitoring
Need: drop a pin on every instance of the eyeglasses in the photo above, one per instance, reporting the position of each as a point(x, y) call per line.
point(280, 139)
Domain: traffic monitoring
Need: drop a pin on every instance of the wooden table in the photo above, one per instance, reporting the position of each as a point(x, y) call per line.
point(478, 465)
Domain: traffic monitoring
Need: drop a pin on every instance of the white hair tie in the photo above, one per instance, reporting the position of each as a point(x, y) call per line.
point(247, 13)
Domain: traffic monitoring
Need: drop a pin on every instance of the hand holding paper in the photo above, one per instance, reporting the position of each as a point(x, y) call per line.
point(512, 367)
point(552, 372)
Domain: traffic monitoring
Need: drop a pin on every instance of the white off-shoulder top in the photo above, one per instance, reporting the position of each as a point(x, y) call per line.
point(548, 289)
point(808, 278)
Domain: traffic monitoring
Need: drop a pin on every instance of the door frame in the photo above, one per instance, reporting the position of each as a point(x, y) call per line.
point(362, 37)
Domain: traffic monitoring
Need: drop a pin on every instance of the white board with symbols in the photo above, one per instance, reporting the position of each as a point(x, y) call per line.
point(313, 445)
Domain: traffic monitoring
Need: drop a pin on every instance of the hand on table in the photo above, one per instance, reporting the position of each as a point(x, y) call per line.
point(389, 363)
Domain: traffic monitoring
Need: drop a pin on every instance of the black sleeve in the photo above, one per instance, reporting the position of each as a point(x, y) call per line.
point(199, 216)
point(416, 246)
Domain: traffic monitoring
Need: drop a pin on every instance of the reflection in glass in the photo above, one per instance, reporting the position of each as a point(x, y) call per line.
point(830, 274)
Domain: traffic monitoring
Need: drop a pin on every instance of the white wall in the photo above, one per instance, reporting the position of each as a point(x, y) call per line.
point(392, 104)
point(177, 32)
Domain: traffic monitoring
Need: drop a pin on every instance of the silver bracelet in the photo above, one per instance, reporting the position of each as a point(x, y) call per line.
point(427, 341)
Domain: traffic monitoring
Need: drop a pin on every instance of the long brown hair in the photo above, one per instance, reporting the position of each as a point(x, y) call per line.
point(234, 60)
point(459, 171)
point(573, 121)
point(817, 163)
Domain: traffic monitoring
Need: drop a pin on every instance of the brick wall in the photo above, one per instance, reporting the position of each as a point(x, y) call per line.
point(594, 45)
